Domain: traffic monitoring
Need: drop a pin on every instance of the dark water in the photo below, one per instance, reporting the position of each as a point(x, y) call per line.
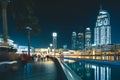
point(88, 71)
point(32, 71)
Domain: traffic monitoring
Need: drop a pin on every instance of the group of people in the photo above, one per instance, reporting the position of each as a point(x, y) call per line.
point(25, 58)
point(40, 57)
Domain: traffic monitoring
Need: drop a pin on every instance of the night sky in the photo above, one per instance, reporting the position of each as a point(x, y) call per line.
point(64, 17)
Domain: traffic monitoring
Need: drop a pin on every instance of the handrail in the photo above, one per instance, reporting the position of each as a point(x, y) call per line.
point(71, 75)
point(7, 62)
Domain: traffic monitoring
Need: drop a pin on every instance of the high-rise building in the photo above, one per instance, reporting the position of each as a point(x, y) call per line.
point(87, 38)
point(54, 40)
point(80, 41)
point(102, 30)
point(74, 38)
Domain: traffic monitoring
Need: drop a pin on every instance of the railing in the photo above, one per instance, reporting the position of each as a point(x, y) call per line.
point(111, 57)
point(8, 65)
point(71, 75)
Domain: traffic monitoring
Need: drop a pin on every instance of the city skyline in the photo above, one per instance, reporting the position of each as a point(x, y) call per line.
point(64, 18)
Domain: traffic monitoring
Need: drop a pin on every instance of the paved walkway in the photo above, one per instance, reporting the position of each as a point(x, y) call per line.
point(43, 70)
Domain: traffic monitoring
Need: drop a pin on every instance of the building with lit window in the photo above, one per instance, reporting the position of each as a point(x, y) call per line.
point(80, 41)
point(102, 30)
point(54, 34)
point(87, 38)
point(24, 49)
point(74, 38)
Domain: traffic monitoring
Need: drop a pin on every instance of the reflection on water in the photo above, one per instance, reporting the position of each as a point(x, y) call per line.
point(89, 71)
point(27, 71)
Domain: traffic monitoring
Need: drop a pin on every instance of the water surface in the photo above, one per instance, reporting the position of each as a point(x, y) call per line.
point(89, 71)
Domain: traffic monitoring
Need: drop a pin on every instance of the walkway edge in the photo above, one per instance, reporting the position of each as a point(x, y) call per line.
point(102, 62)
point(71, 75)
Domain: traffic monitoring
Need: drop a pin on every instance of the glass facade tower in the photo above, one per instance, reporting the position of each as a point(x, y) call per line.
point(74, 36)
point(88, 39)
point(80, 41)
point(54, 40)
point(102, 30)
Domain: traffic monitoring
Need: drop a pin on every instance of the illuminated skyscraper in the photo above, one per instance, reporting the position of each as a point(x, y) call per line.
point(80, 41)
point(74, 36)
point(102, 30)
point(54, 40)
point(87, 38)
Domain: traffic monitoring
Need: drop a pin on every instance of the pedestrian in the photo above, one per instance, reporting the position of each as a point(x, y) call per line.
point(24, 58)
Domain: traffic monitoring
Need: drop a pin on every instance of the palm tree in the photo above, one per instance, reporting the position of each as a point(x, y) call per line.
point(4, 16)
point(23, 14)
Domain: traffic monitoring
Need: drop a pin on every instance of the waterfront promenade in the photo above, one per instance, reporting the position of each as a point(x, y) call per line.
point(50, 69)
point(41, 70)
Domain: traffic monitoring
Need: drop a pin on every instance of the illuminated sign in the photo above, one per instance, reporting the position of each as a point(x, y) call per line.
point(102, 16)
point(103, 12)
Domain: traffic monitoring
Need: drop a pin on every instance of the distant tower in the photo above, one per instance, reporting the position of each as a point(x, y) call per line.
point(54, 40)
point(80, 41)
point(102, 30)
point(87, 38)
point(74, 36)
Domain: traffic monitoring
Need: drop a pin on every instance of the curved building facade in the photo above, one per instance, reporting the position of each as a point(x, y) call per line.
point(102, 30)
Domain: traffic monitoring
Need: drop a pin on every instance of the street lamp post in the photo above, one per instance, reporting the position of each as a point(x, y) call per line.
point(29, 29)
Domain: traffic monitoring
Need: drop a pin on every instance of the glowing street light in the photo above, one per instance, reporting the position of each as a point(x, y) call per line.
point(29, 29)
point(51, 45)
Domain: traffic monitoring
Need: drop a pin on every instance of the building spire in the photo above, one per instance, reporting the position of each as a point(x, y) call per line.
point(100, 7)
